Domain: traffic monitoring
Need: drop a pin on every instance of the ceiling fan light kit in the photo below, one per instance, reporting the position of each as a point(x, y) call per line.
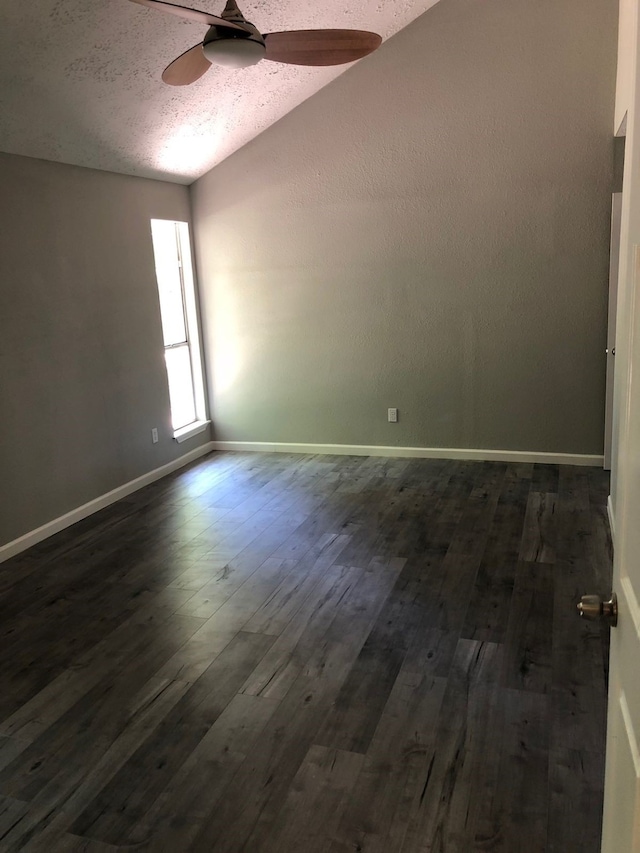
point(233, 42)
point(231, 50)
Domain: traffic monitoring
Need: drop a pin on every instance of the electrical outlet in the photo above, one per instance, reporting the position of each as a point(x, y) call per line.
point(392, 416)
point(154, 435)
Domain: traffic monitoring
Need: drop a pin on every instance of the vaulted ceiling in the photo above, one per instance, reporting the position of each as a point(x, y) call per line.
point(80, 81)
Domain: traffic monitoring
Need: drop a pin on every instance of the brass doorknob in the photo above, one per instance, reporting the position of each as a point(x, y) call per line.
point(593, 607)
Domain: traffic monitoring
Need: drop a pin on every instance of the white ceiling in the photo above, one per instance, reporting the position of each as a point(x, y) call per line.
point(80, 81)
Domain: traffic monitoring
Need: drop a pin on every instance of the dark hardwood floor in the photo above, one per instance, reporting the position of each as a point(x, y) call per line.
point(273, 653)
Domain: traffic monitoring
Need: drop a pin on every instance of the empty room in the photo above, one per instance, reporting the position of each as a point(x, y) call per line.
point(320, 426)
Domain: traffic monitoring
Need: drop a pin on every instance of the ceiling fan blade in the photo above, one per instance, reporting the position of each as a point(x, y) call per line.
point(191, 14)
point(320, 47)
point(187, 68)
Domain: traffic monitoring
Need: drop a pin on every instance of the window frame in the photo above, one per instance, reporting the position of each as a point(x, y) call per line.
point(191, 318)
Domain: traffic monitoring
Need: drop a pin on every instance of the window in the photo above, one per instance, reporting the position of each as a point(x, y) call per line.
point(178, 311)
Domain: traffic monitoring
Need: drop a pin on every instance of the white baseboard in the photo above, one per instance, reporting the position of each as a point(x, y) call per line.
point(414, 452)
point(57, 524)
point(612, 525)
point(34, 536)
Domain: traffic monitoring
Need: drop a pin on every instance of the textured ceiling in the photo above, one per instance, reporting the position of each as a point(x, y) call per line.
point(80, 81)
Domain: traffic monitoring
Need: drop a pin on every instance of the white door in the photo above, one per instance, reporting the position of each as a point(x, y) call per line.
point(621, 829)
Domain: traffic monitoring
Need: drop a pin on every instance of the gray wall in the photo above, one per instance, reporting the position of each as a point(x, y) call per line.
point(82, 377)
point(430, 232)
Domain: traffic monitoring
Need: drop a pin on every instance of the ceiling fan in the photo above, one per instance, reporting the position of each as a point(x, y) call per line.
point(235, 43)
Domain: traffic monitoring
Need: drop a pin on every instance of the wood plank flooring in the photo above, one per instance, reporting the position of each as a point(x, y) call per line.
point(274, 653)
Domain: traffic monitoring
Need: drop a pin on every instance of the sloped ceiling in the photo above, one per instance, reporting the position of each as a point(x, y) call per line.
point(80, 81)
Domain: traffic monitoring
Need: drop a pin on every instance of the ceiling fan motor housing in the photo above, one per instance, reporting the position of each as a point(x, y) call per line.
point(232, 48)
